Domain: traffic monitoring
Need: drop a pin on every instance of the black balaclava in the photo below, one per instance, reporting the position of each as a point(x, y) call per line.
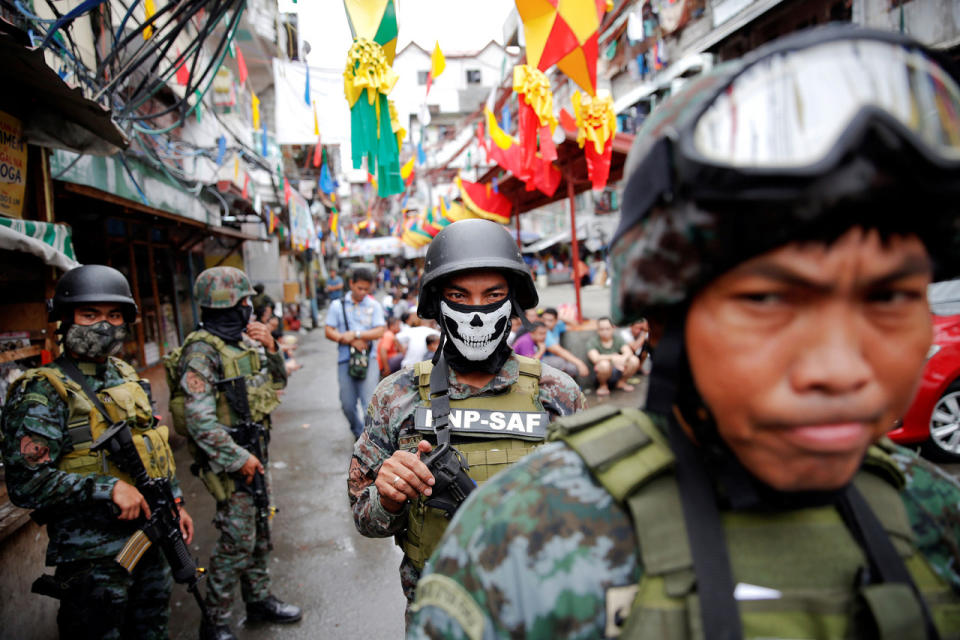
point(227, 324)
point(475, 337)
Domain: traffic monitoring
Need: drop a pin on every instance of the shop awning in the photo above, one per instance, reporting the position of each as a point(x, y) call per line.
point(50, 242)
point(53, 114)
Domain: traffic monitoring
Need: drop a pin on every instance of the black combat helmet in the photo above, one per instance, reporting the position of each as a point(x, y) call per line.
point(474, 244)
point(93, 284)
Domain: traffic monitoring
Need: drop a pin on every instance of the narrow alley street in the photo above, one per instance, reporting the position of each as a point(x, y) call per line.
point(348, 585)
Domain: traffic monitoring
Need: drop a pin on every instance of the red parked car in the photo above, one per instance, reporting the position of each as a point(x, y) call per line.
point(933, 420)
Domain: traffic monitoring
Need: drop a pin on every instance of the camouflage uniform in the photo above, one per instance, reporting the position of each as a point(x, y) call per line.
point(84, 535)
point(537, 551)
point(240, 554)
point(391, 411)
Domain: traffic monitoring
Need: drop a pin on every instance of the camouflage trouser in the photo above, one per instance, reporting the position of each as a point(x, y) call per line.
point(240, 556)
point(107, 602)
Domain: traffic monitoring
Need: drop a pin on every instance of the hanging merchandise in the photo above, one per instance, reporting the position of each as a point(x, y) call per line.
point(263, 140)
point(536, 117)
point(481, 199)
point(597, 124)
point(564, 34)
point(373, 24)
point(316, 123)
point(221, 149)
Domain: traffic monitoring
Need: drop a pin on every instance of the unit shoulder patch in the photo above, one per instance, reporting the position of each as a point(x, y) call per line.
point(446, 594)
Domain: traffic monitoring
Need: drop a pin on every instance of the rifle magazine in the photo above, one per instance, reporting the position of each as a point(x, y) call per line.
point(133, 550)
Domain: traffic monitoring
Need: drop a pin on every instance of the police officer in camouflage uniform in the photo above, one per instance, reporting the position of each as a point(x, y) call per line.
point(227, 345)
point(90, 507)
point(782, 218)
point(500, 403)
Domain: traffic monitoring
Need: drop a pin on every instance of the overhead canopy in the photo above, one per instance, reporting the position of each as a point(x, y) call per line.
point(53, 114)
point(50, 242)
point(572, 164)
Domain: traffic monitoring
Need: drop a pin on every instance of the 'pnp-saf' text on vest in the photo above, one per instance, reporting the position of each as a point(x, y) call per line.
point(492, 432)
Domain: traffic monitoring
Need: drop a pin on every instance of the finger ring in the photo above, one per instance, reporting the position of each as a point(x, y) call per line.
point(396, 479)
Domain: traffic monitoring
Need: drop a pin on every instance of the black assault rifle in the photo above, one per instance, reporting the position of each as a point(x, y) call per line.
point(252, 437)
point(163, 526)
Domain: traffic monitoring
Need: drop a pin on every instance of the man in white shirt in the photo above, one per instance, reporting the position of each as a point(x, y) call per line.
point(413, 337)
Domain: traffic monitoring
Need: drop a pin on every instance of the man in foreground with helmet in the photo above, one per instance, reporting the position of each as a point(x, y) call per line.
point(90, 506)
point(229, 346)
point(765, 229)
point(476, 396)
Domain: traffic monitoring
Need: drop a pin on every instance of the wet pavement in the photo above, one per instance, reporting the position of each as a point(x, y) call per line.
point(348, 585)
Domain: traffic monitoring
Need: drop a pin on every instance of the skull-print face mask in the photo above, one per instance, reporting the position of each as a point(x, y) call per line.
point(477, 331)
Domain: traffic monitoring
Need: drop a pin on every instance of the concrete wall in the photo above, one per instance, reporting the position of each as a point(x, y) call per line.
point(25, 615)
point(933, 22)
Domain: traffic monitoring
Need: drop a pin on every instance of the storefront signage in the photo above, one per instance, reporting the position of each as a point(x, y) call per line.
point(13, 166)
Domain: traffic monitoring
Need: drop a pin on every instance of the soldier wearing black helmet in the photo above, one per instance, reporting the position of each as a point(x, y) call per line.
point(90, 507)
point(483, 405)
point(782, 217)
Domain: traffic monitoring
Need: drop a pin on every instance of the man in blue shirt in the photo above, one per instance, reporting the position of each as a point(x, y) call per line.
point(356, 321)
point(557, 356)
point(334, 286)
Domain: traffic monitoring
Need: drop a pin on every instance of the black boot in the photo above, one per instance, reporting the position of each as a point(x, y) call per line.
point(273, 610)
point(215, 632)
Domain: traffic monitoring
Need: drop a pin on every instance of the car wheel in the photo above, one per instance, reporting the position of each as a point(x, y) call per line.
point(944, 442)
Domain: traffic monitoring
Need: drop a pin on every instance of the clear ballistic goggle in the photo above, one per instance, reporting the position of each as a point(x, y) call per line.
point(795, 109)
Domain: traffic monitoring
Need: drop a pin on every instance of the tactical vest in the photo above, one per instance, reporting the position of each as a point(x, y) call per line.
point(234, 361)
point(485, 453)
point(812, 592)
point(126, 401)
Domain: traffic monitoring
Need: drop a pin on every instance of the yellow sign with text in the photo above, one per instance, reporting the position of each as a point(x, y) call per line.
point(13, 166)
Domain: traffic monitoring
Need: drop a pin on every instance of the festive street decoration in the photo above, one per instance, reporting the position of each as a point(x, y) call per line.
point(483, 201)
point(536, 117)
point(437, 64)
point(541, 174)
point(374, 130)
point(597, 123)
point(564, 33)
point(407, 171)
point(149, 9)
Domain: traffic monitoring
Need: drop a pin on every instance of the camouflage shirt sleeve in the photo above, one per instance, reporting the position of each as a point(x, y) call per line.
point(276, 368)
point(34, 440)
point(391, 408)
point(531, 554)
point(932, 499)
point(199, 366)
point(559, 394)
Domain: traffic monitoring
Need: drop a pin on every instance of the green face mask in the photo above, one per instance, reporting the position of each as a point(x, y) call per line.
point(95, 341)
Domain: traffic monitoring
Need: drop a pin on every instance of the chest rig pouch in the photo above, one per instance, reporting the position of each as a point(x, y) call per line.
point(798, 574)
point(489, 433)
point(127, 401)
